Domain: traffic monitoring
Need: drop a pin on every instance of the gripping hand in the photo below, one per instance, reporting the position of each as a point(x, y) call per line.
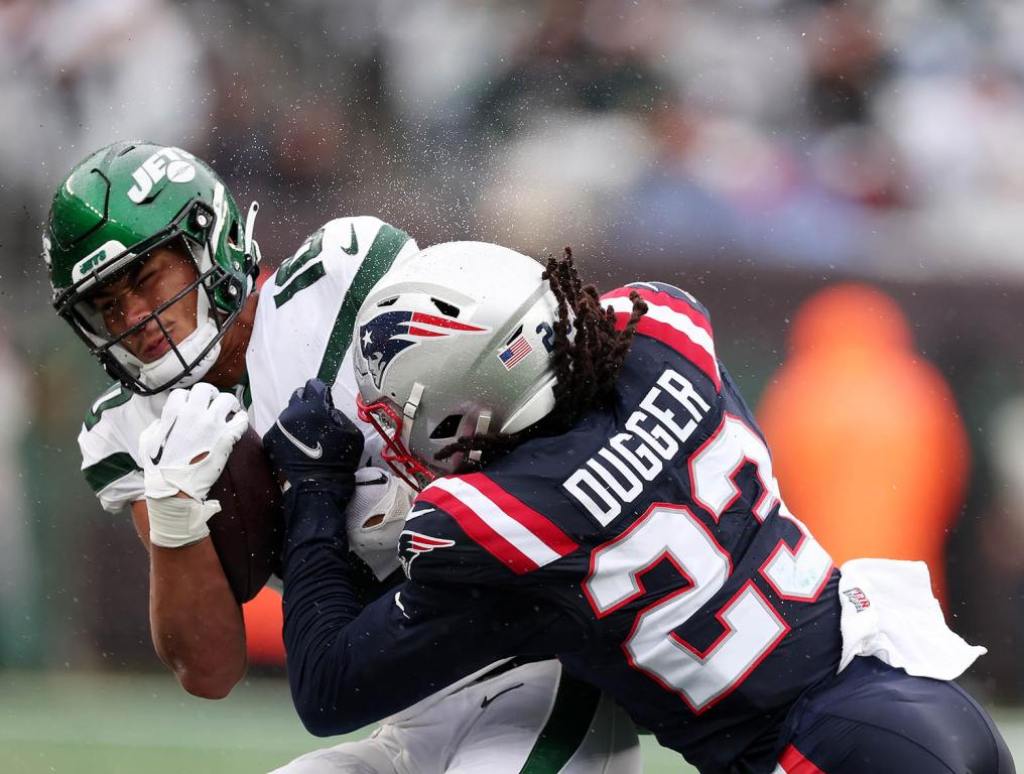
point(183, 453)
point(312, 441)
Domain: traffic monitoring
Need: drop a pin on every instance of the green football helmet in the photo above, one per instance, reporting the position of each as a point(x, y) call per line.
point(115, 207)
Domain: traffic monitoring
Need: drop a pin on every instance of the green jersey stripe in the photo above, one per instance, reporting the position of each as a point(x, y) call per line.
point(379, 257)
point(108, 470)
point(574, 708)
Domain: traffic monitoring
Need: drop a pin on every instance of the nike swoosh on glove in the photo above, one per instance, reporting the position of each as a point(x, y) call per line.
point(186, 449)
point(312, 441)
point(184, 452)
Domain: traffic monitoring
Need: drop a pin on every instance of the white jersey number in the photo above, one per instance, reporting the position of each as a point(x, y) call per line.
point(752, 625)
point(798, 574)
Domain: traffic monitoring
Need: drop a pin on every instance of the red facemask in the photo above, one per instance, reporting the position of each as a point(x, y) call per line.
point(388, 424)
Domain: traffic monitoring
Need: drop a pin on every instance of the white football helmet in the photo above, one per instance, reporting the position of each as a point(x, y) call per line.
point(455, 340)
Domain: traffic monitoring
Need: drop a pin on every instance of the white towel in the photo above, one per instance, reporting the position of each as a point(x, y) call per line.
point(888, 611)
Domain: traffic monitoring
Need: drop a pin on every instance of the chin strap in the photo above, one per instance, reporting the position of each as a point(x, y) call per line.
point(170, 363)
point(483, 424)
point(409, 412)
point(250, 246)
point(187, 351)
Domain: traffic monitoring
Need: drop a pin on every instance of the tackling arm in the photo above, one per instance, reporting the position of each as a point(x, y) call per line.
point(349, 666)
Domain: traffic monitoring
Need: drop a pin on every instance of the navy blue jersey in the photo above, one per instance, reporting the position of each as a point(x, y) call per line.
point(648, 548)
point(701, 604)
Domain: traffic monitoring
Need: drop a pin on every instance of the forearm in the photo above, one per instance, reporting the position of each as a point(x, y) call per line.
point(320, 602)
point(349, 666)
point(196, 624)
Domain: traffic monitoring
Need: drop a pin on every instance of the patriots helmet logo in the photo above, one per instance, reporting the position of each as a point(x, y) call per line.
point(389, 334)
point(413, 544)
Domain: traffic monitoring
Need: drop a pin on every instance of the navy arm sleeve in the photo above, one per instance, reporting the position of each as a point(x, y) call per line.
point(349, 666)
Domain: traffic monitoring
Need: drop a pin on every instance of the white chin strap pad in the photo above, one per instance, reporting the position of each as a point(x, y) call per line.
point(166, 367)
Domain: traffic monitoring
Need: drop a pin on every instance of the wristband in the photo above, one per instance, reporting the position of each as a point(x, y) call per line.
point(175, 522)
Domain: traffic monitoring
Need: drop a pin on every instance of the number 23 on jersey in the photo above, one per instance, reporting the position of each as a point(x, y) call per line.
point(751, 626)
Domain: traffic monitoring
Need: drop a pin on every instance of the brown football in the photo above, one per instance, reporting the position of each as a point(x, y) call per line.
point(248, 531)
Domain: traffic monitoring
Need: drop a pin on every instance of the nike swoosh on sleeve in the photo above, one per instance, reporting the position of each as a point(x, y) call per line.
point(353, 247)
point(488, 699)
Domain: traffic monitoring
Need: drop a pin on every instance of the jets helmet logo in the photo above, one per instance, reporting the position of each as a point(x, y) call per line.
point(171, 164)
point(389, 334)
point(413, 544)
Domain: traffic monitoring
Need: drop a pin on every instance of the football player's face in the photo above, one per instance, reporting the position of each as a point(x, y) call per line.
point(130, 299)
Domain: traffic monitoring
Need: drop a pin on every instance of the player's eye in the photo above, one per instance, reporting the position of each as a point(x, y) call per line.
point(103, 306)
point(145, 279)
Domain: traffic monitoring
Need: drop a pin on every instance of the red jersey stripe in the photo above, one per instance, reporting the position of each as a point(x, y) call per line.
point(478, 531)
point(541, 526)
point(662, 298)
point(682, 344)
point(792, 761)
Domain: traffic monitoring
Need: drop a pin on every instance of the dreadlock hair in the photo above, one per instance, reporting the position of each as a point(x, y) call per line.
point(585, 364)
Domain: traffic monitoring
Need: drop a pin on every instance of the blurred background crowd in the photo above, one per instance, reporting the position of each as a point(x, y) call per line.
point(841, 183)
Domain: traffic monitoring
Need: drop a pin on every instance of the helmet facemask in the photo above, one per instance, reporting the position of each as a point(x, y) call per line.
point(394, 432)
point(186, 362)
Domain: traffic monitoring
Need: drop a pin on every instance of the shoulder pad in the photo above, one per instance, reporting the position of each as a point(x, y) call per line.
point(332, 273)
point(487, 533)
point(109, 441)
point(355, 251)
point(675, 318)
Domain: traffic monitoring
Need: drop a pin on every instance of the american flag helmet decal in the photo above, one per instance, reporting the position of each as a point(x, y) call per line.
point(515, 351)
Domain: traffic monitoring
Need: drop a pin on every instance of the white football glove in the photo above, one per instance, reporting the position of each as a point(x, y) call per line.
point(375, 517)
point(184, 452)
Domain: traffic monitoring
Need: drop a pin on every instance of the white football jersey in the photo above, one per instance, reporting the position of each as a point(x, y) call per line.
point(303, 328)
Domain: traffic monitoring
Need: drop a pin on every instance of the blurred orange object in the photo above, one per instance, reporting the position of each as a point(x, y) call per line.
point(867, 443)
point(264, 621)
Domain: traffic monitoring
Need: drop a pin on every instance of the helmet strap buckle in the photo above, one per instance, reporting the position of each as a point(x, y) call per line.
point(409, 411)
point(249, 245)
point(483, 424)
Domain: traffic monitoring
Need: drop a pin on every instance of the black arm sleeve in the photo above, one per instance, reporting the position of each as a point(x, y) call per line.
point(349, 666)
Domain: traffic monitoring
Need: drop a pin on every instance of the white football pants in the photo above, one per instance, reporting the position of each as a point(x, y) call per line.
point(530, 719)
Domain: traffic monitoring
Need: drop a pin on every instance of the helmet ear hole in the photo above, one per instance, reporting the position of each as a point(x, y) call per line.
point(447, 427)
